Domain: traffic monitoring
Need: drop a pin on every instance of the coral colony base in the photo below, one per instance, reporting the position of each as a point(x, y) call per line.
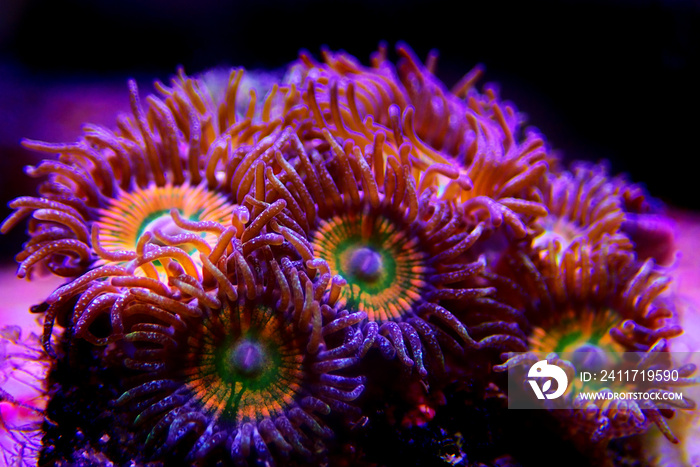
point(337, 272)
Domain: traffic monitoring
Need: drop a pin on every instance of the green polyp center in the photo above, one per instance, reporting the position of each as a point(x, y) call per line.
point(365, 265)
point(247, 358)
point(248, 361)
point(590, 357)
point(584, 331)
point(575, 341)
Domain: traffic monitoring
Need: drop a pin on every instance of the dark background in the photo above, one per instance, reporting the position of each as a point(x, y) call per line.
point(611, 80)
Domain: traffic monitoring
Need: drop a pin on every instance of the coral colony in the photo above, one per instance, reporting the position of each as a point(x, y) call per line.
point(337, 272)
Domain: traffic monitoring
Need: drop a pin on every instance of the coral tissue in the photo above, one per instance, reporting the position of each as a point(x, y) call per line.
point(272, 278)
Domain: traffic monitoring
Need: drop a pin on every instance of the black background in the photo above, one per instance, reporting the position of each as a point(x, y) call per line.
point(602, 80)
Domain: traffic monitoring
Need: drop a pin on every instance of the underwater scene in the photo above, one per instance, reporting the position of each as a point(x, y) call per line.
point(350, 235)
